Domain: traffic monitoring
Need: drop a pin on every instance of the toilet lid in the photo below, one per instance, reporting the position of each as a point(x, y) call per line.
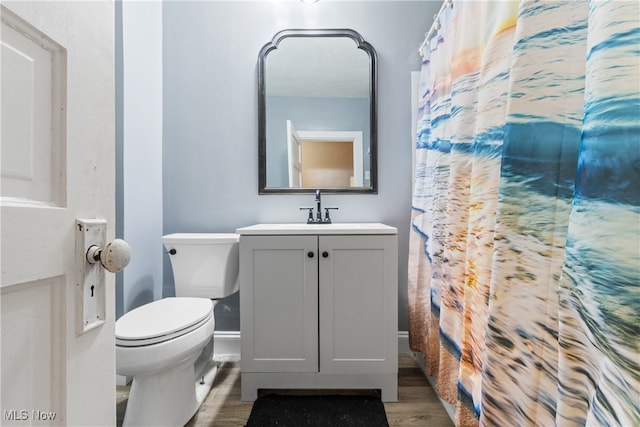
point(161, 320)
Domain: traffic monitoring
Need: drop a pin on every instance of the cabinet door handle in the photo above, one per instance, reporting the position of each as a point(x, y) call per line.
point(310, 254)
point(325, 254)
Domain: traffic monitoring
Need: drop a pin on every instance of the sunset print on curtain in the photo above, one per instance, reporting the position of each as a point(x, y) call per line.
point(524, 265)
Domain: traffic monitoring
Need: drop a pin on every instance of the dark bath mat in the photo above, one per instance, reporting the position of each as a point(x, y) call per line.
point(317, 411)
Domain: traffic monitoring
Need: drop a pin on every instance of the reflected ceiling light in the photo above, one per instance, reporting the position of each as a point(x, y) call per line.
point(309, 1)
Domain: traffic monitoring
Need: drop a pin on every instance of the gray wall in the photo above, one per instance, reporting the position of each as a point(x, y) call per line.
point(210, 130)
point(139, 150)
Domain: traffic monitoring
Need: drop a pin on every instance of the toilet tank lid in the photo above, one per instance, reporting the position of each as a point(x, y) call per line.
point(162, 317)
point(201, 238)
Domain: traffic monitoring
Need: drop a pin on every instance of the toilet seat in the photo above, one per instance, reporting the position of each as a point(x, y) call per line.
point(162, 320)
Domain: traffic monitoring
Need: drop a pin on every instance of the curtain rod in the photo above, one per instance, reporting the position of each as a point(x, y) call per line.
point(435, 26)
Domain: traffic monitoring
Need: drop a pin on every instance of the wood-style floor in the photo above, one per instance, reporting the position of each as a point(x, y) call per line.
point(418, 404)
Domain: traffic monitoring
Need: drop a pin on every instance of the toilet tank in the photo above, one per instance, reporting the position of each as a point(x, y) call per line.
point(205, 265)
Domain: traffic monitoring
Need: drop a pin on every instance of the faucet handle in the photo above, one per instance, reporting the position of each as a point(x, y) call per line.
point(310, 219)
point(327, 219)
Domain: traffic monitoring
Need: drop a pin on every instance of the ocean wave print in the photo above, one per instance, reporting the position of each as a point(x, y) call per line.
point(609, 165)
point(600, 297)
point(548, 65)
point(521, 363)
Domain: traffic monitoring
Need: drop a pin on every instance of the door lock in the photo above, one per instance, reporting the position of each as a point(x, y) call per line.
point(94, 256)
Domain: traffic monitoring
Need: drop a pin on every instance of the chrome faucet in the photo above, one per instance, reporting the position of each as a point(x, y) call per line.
point(318, 219)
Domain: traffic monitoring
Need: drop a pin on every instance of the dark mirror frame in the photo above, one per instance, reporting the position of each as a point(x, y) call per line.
point(262, 113)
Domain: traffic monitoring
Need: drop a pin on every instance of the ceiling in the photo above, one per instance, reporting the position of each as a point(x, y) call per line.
point(317, 67)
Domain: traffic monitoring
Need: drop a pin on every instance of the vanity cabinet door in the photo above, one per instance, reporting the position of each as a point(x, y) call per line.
point(358, 304)
point(279, 303)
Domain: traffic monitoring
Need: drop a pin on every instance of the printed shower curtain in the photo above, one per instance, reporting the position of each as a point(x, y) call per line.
point(524, 264)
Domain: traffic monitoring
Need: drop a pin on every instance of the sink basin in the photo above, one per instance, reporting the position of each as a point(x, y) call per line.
point(299, 229)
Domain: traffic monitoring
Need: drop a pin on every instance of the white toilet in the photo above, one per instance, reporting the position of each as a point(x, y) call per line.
point(167, 345)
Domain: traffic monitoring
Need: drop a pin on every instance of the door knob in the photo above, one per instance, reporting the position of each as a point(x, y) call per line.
point(325, 254)
point(114, 257)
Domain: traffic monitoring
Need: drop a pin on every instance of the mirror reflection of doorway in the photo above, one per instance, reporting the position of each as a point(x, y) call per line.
point(324, 159)
point(327, 163)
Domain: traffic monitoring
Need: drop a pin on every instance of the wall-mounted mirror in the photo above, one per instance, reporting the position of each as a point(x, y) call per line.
point(317, 113)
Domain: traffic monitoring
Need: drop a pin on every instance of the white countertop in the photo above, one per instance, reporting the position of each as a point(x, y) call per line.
point(303, 228)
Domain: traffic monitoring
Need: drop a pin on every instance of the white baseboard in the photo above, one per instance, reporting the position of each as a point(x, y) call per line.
point(121, 380)
point(227, 344)
point(403, 343)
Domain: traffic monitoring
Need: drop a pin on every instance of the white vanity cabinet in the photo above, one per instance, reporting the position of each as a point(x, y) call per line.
point(318, 307)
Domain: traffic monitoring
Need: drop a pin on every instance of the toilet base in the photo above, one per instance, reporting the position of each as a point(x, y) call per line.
point(205, 382)
point(168, 398)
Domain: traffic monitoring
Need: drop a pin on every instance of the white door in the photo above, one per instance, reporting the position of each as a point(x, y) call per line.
point(293, 151)
point(57, 157)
